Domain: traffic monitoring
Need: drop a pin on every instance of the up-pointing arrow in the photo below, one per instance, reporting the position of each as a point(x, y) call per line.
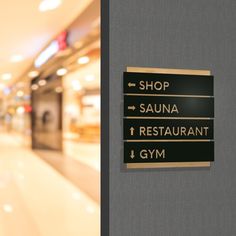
point(132, 131)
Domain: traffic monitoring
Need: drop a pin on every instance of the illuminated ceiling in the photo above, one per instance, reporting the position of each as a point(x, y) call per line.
point(25, 31)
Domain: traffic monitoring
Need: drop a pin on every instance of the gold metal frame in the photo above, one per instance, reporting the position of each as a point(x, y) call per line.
point(168, 164)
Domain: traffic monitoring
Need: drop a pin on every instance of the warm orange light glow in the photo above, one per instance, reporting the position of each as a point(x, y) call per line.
point(61, 71)
point(20, 110)
point(76, 85)
point(6, 76)
point(42, 82)
point(48, 5)
point(16, 58)
point(33, 74)
point(20, 93)
point(90, 77)
point(83, 60)
point(34, 87)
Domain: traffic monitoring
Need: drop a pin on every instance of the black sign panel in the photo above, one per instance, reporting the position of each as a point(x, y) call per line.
point(141, 152)
point(158, 106)
point(153, 83)
point(136, 129)
point(168, 118)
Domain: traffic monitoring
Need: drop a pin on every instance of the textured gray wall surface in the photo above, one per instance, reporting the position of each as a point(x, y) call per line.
point(185, 34)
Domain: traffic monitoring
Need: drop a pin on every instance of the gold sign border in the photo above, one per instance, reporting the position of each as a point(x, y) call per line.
point(167, 164)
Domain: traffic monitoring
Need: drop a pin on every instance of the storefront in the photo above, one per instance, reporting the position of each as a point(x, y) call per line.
point(16, 112)
point(47, 113)
point(65, 92)
point(81, 110)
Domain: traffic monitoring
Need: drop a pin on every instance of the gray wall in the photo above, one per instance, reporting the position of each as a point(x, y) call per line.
point(196, 34)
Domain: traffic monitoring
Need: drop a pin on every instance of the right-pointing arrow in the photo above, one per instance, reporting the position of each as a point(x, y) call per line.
point(131, 108)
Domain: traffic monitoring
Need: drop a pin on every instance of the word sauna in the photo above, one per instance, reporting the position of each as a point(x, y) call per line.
point(168, 118)
point(159, 108)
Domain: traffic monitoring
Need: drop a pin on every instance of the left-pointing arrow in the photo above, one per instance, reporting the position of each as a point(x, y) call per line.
point(131, 84)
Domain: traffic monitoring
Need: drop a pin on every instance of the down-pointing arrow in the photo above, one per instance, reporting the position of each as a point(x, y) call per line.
point(132, 154)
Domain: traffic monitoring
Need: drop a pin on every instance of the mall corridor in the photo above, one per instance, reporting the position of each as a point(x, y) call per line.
point(50, 118)
point(36, 200)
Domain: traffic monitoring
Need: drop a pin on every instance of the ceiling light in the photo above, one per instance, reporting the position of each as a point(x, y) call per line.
point(34, 73)
point(47, 5)
point(47, 53)
point(7, 208)
point(20, 93)
point(76, 85)
point(42, 82)
point(61, 71)
point(58, 89)
point(16, 58)
point(20, 110)
point(90, 77)
point(34, 87)
point(6, 76)
point(83, 60)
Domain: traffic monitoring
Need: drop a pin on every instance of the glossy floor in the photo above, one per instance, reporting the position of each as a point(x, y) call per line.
point(89, 153)
point(35, 200)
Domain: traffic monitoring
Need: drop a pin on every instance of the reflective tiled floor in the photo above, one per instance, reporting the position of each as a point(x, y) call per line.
point(35, 200)
point(89, 153)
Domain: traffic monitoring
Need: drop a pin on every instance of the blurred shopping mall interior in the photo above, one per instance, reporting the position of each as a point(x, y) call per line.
point(50, 118)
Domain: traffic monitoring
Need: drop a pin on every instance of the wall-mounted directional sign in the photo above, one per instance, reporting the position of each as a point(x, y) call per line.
point(168, 118)
point(136, 129)
point(168, 84)
point(148, 152)
point(163, 106)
